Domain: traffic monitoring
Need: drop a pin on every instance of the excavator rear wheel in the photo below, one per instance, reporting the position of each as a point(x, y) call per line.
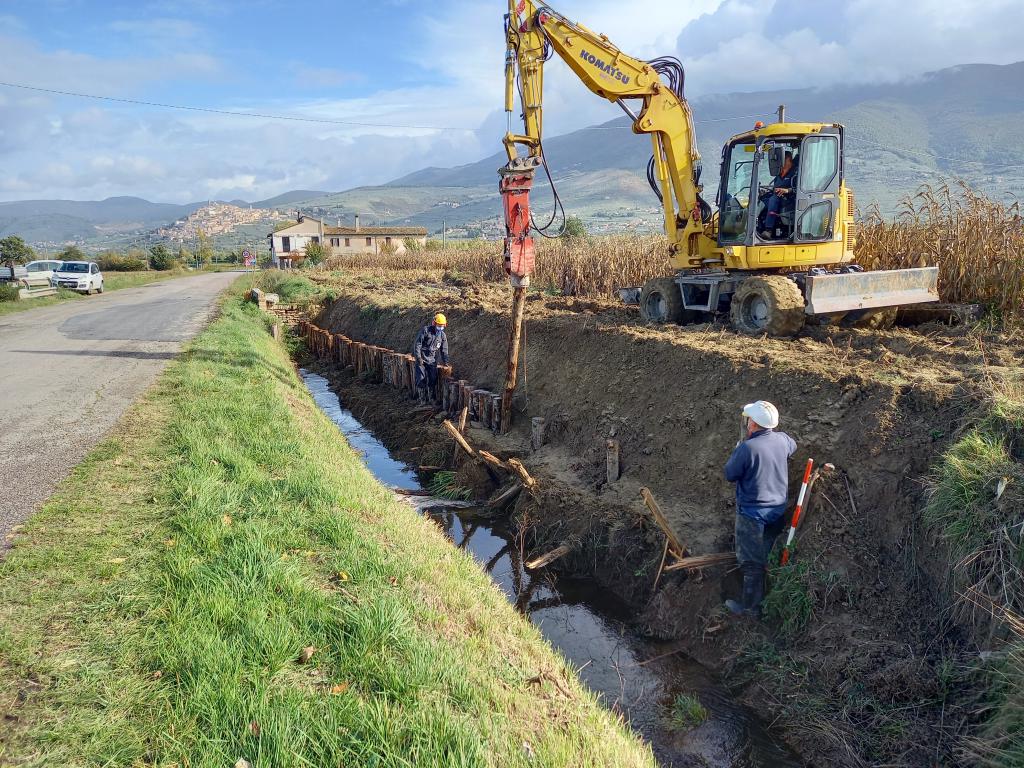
point(661, 301)
point(771, 304)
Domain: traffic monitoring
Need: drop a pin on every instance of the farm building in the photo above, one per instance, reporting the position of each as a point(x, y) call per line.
point(290, 243)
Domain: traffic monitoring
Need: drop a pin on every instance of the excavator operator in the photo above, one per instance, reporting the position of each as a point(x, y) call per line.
point(779, 197)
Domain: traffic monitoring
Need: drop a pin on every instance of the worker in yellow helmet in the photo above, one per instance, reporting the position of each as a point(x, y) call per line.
point(430, 349)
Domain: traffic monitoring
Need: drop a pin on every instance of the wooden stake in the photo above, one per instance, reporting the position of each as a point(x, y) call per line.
point(549, 558)
point(454, 432)
point(502, 498)
point(463, 417)
point(612, 460)
point(674, 545)
point(517, 466)
point(493, 460)
point(537, 427)
point(661, 567)
point(515, 335)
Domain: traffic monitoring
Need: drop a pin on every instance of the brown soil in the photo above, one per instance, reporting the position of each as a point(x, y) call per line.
point(859, 684)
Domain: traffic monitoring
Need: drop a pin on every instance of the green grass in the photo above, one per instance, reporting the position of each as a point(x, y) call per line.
point(443, 485)
point(976, 505)
point(687, 711)
point(789, 601)
point(112, 281)
point(155, 610)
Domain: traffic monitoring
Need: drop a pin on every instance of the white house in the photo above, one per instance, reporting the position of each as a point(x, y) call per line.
point(290, 243)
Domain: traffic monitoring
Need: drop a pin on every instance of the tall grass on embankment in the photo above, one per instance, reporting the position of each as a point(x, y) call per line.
point(222, 579)
point(977, 243)
point(976, 506)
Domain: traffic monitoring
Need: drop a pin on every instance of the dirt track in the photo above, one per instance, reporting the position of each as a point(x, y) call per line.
point(879, 405)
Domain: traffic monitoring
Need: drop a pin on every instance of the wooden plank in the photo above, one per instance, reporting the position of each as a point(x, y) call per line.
point(463, 417)
point(702, 561)
point(548, 558)
point(675, 546)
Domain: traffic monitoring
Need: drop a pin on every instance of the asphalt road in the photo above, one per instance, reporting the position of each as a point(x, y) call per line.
point(68, 372)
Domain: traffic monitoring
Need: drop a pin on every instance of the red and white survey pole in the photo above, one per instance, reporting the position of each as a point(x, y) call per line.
point(796, 512)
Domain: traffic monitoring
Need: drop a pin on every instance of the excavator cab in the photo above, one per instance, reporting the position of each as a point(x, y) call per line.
point(806, 199)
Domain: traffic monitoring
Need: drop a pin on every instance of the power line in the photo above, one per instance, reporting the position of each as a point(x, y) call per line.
point(295, 118)
point(211, 110)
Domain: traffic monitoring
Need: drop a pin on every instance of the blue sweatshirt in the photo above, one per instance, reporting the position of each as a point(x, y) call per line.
point(760, 468)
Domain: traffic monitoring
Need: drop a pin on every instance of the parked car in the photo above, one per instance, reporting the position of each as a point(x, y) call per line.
point(41, 272)
point(81, 276)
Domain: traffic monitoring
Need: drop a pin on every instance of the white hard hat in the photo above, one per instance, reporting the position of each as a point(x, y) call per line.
point(763, 413)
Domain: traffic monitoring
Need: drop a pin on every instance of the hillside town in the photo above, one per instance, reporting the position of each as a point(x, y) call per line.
point(215, 219)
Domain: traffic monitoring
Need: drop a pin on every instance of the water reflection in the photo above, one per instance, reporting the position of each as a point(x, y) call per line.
point(589, 627)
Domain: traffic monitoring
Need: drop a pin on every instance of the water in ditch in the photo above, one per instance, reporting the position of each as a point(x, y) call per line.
point(589, 628)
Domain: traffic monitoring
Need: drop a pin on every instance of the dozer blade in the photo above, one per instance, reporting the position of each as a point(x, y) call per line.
point(827, 294)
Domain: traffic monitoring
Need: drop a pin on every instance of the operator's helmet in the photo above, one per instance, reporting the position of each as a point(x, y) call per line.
point(440, 320)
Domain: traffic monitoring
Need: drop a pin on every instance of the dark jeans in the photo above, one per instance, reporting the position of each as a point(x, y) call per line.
point(754, 542)
point(775, 206)
point(426, 379)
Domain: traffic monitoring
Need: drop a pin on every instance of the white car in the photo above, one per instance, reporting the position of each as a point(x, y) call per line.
point(81, 276)
point(41, 272)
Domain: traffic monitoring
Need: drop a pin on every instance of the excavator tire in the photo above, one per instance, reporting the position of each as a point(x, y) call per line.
point(662, 302)
point(771, 304)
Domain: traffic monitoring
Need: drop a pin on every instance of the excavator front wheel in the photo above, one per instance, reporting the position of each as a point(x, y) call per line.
point(661, 301)
point(771, 304)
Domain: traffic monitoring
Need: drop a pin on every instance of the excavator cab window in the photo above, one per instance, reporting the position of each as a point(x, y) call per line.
point(734, 192)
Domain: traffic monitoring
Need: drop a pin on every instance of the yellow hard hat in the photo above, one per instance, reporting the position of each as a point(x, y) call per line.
point(440, 319)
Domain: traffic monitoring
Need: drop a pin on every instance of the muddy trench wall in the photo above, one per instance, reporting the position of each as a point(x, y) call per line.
point(671, 397)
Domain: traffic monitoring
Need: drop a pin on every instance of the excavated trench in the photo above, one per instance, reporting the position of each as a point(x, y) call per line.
point(590, 627)
point(857, 682)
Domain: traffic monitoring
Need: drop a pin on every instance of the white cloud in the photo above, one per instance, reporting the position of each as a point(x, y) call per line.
point(56, 147)
point(801, 43)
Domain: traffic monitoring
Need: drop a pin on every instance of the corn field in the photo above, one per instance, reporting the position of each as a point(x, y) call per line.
point(977, 243)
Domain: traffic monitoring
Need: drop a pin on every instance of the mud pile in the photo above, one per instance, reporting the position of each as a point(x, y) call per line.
point(862, 681)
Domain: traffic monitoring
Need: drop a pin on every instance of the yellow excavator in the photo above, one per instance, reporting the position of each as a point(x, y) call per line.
point(778, 250)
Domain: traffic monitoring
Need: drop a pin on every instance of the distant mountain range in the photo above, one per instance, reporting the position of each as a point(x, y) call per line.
point(963, 121)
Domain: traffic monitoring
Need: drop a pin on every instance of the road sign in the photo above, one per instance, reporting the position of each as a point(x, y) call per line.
point(248, 259)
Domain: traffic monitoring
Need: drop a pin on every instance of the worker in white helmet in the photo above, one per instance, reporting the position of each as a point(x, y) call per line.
point(760, 468)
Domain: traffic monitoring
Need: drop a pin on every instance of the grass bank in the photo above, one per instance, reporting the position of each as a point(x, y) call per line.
point(112, 281)
point(976, 505)
point(222, 579)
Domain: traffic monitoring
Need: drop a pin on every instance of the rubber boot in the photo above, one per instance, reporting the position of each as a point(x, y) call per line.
point(753, 592)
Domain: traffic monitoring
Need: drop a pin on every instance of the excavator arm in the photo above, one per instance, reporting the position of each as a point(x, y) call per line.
point(534, 33)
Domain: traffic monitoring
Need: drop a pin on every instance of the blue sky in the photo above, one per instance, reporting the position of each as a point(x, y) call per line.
point(392, 63)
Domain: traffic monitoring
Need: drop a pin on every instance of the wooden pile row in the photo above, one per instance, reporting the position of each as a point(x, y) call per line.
point(398, 370)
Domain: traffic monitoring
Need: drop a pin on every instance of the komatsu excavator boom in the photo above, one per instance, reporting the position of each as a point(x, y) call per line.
point(768, 263)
